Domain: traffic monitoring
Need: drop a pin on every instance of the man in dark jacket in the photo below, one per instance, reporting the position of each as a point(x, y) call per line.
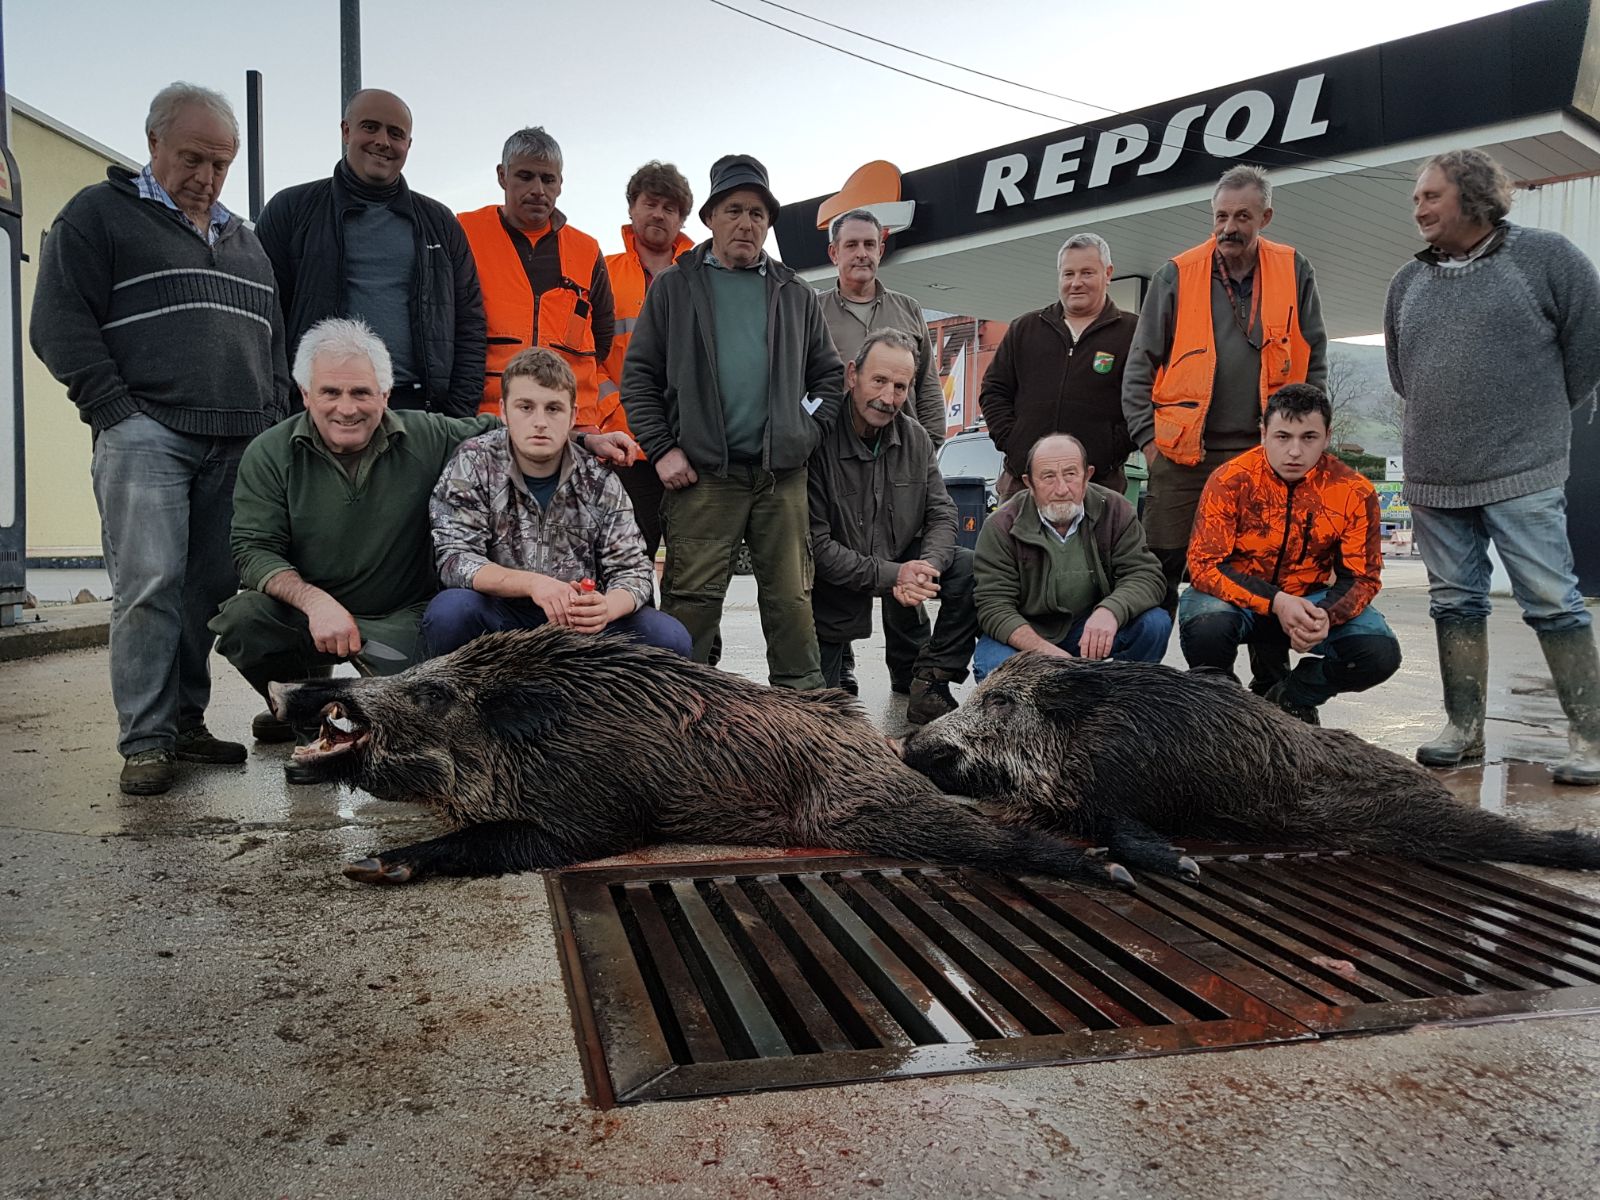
point(154, 306)
point(882, 524)
point(363, 244)
point(730, 382)
point(1059, 370)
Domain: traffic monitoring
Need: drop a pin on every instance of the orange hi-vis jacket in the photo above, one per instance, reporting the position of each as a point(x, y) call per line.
point(1256, 535)
point(1182, 391)
point(628, 285)
point(517, 319)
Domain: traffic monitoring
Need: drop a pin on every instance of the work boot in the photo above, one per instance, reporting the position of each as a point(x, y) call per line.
point(1277, 695)
point(265, 727)
point(148, 772)
point(901, 685)
point(847, 680)
point(1575, 667)
point(198, 746)
point(930, 699)
point(1464, 668)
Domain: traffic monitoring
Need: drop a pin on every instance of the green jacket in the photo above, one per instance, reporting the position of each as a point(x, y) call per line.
point(1014, 584)
point(669, 378)
point(365, 541)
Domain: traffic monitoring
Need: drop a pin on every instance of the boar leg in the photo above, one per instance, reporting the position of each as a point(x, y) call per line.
point(1135, 844)
point(493, 848)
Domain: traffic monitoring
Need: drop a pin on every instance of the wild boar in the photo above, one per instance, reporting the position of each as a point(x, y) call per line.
point(547, 747)
point(1129, 755)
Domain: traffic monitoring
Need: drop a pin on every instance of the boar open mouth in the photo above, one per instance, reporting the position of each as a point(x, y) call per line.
point(339, 734)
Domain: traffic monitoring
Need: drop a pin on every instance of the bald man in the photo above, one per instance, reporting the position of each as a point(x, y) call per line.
point(363, 244)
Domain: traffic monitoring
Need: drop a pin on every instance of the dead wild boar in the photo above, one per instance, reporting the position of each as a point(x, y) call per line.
point(1128, 755)
point(547, 747)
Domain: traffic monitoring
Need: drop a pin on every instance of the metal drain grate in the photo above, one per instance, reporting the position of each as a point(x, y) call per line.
point(736, 977)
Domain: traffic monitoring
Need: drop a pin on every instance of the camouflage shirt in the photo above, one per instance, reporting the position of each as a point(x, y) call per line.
point(481, 512)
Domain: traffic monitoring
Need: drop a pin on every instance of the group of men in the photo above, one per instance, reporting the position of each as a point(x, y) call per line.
point(491, 425)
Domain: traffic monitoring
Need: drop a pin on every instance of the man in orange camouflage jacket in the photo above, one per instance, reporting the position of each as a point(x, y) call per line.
point(1287, 531)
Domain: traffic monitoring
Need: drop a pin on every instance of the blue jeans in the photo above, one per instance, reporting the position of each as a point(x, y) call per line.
point(1531, 534)
point(1144, 639)
point(1357, 655)
point(457, 615)
point(166, 504)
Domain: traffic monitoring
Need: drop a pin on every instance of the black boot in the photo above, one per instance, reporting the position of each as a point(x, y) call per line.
point(1575, 667)
point(1464, 668)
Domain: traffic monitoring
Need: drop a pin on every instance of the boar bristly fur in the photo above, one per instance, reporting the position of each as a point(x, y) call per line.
point(547, 747)
point(1130, 754)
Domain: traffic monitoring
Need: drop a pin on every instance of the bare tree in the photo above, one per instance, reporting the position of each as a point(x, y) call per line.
point(1346, 388)
point(1388, 409)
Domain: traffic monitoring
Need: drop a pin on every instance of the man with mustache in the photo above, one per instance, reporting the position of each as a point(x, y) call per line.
point(882, 524)
point(544, 282)
point(854, 309)
point(1062, 568)
point(363, 244)
point(1224, 325)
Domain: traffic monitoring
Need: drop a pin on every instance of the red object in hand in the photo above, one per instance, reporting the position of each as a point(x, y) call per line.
point(586, 586)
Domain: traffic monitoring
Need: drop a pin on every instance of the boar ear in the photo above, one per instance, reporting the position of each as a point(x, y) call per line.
point(1067, 694)
point(522, 712)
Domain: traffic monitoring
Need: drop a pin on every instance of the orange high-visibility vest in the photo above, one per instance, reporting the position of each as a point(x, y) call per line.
point(628, 284)
point(517, 319)
point(1182, 391)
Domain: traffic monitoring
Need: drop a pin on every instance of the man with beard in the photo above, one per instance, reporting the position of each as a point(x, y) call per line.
point(1062, 568)
point(363, 244)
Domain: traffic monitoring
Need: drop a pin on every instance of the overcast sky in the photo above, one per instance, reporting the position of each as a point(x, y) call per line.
point(618, 82)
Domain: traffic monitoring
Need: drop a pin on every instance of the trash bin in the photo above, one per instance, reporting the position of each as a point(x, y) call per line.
point(971, 494)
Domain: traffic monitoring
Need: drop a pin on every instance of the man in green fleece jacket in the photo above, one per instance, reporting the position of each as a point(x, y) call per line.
point(1062, 568)
point(331, 535)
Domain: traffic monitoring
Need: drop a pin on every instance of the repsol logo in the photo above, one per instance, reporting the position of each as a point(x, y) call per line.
point(1237, 125)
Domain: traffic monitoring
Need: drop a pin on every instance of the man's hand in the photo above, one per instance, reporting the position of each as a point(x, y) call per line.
point(1304, 622)
point(1099, 634)
point(1149, 451)
point(555, 596)
point(916, 581)
point(588, 612)
point(618, 448)
point(333, 629)
point(675, 471)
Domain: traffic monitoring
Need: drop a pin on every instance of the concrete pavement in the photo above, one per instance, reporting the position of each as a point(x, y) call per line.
point(197, 1004)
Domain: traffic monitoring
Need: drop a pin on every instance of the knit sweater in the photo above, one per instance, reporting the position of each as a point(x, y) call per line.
point(1492, 358)
point(134, 313)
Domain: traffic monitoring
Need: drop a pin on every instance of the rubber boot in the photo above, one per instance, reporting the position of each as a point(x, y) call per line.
point(1464, 668)
point(1575, 667)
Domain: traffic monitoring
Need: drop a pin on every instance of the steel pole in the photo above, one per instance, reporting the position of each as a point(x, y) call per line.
point(349, 51)
point(255, 159)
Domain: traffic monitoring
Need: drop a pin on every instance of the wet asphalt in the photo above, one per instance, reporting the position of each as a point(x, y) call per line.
point(196, 1003)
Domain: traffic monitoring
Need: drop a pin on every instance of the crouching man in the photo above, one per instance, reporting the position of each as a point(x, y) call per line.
point(1286, 549)
point(882, 524)
point(521, 524)
point(1062, 568)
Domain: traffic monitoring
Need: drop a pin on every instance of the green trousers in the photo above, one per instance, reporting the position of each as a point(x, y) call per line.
point(266, 639)
point(704, 523)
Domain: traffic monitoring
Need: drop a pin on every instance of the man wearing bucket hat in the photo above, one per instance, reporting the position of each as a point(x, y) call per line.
point(729, 383)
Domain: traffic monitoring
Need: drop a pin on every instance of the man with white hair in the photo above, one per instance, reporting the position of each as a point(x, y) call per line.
point(330, 523)
point(155, 307)
point(1059, 370)
point(544, 283)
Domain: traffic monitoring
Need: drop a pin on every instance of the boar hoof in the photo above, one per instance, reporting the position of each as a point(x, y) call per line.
point(1188, 870)
point(1119, 876)
point(375, 870)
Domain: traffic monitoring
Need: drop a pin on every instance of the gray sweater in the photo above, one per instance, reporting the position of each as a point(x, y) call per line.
point(1491, 358)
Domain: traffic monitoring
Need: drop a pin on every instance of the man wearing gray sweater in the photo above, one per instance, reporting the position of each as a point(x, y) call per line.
point(1493, 338)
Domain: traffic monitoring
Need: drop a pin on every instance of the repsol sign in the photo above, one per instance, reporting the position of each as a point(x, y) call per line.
point(1234, 127)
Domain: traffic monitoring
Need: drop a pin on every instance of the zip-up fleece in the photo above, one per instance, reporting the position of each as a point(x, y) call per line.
point(1255, 535)
point(669, 380)
point(1041, 381)
point(1016, 587)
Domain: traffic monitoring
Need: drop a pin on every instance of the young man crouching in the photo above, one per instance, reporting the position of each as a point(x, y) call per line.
point(526, 532)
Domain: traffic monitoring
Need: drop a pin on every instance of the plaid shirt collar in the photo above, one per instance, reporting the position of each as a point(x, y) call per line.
point(145, 181)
